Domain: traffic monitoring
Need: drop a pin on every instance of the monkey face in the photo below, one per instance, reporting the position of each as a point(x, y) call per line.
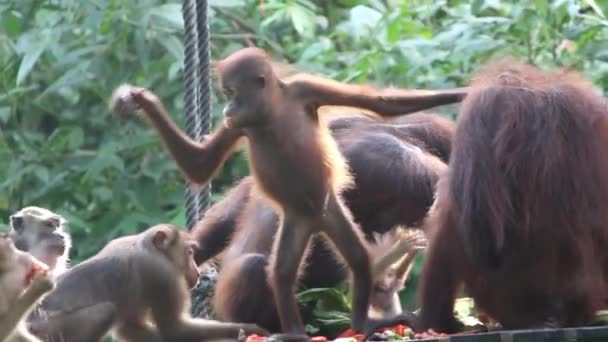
point(385, 288)
point(179, 248)
point(247, 99)
point(186, 248)
point(248, 82)
point(42, 233)
point(193, 273)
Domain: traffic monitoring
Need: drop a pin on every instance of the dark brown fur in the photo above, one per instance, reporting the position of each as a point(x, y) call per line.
point(394, 185)
point(521, 215)
point(294, 160)
point(137, 285)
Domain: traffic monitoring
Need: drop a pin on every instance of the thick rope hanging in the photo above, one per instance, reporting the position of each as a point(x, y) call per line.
point(197, 106)
point(204, 84)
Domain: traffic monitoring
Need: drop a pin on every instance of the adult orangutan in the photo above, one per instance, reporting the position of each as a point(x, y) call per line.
point(521, 217)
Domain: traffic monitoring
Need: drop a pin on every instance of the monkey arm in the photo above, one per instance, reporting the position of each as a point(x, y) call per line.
point(139, 331)
point(388, 102)
point(170, 311)
point(208, 330)
point(198, 161)
point(400, 248)
point(21, 306)
point(198, 329)
point(9, 321)
point(405, 266)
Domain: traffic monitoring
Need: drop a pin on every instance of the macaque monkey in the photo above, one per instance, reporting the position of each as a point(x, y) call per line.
point(392, 270)
point(44, 235)
point(23, 282)
point(137, 287)
point(296, 164)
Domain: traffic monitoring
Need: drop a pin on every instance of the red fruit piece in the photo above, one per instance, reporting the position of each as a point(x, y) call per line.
point(256, 338)
point(348, 333)
point(36, 268)
point(397, 329)
point(400, 329)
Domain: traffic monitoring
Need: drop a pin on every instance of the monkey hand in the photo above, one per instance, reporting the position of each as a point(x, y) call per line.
point(128, 99)
point(416, 240)
point(36, 268)
point(122, 101)
point(42, 283)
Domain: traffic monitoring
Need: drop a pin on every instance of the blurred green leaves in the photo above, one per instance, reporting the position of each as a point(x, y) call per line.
point(326, 309)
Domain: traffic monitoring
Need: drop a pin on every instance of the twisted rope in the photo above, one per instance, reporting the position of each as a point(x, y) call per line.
point(196, 91)
point(204, 91)
point(198, 122)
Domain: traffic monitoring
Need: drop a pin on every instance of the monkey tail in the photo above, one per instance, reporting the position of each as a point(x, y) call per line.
point(527, 157)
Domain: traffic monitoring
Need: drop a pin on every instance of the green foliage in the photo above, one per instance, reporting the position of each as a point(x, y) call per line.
point(408, 294)
point(61, 149)
point(60, 59)
point(326, 309)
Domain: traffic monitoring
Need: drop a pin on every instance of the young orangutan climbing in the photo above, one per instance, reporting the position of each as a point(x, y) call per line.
point(295, 163)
